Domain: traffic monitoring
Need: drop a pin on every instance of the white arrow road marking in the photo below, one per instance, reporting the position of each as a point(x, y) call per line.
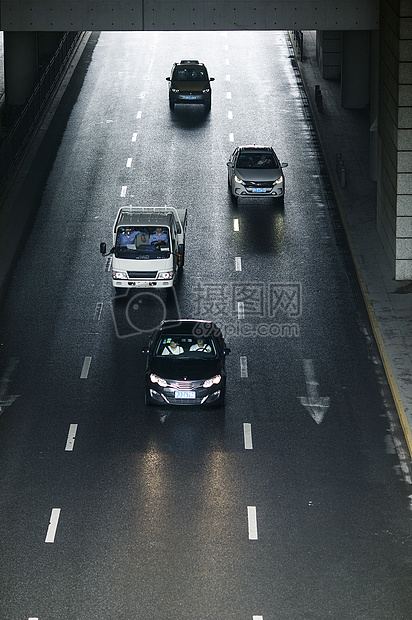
point(6, 401)
point(315, 405)
point(51, 530)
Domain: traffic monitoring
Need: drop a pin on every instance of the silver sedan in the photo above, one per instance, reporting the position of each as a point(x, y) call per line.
point(255, 171)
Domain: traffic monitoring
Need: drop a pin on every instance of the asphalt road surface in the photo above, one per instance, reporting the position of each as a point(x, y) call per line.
point(293, 502)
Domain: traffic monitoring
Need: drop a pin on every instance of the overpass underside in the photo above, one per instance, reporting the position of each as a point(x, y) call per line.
point(367, 44)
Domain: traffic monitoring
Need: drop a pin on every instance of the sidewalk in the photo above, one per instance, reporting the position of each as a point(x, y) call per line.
point(389, 303)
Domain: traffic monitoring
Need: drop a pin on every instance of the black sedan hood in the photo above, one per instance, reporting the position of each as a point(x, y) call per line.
point(185, 369)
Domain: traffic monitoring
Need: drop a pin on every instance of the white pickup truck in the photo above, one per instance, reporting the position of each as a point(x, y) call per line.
point(148, 246)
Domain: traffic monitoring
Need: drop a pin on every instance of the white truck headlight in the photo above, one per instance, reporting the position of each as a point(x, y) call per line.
point(165, 275)
point(119, 275)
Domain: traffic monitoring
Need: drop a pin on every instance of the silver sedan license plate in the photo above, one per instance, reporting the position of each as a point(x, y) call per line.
point(185, 394)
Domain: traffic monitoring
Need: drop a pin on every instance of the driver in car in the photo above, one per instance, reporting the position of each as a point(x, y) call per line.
point(158, 236)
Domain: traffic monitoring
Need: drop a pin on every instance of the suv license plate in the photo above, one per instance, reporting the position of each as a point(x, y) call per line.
point(259, 190)
point(185, 394)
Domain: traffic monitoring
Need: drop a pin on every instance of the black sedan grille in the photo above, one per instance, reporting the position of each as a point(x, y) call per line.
point(142, 275)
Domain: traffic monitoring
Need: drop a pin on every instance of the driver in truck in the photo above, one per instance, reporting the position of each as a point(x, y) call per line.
point(158, 236)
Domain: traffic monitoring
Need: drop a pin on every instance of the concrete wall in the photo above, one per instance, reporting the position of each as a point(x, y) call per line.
point(37, 15)
point(394, 212)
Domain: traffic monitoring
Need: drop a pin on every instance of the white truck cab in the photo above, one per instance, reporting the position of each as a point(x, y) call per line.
point(148, 246)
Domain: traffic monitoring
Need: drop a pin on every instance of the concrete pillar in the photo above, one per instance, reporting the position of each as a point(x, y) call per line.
point(328, 53)
point(355, 69)
point(20, 66)
point(394, 197)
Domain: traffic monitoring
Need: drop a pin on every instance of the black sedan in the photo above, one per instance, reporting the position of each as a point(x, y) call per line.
point(186, 364)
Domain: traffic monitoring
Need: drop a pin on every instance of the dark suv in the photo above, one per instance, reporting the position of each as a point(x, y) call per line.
point(189, 83)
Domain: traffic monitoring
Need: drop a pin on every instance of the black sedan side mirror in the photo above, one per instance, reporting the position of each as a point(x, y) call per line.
point(168, 79)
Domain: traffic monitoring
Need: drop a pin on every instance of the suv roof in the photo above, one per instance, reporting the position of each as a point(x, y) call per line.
point(189, 62)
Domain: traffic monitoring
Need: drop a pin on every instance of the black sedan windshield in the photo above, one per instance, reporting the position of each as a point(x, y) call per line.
point(187, 347)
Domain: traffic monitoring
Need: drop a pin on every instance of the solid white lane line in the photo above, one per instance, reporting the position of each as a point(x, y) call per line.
point(98, 311)
point(129, 162)
point(71, 437)
point(51, 530)
point(247, 436)
point(123, 192)
point(230, 114)
point(238, 263)
point(85, 368)
point(236, 224)
point(139, 114)
point(228, 95)
point(243, 367)
point(252, 522)
point(240, 310)
point(134, 137)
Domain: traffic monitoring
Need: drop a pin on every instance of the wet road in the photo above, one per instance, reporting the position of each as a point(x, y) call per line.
point(291, 503)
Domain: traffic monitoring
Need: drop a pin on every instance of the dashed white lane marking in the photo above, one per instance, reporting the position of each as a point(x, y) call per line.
point(257, 617)
point(139, 114)
point(247, 436)
point(51, 530)
point(227, 78)
point(228, 95)
point(98, 311)
point(129, 162)
point(230, 114)
point(123, 192)
point(231, 137)
point(236, 224)
point(240, 310)
point(252, 522)
point(238, 263)
point(243, 367)
point(85, 368)
point(32, 618)
point(71, 437)
point(227, 61)
point(134, 137)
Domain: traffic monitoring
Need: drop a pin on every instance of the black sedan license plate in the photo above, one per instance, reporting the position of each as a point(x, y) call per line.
point(185, 394)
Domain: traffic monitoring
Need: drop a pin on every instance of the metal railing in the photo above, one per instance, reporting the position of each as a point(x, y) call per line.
point(22, 127)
